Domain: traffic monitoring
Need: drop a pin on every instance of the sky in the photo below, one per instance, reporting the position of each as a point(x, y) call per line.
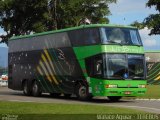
point(125, 12)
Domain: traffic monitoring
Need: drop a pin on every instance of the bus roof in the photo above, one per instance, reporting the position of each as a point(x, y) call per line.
point(69, 29)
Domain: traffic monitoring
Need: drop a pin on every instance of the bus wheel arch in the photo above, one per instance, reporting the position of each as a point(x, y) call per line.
point(82, 91)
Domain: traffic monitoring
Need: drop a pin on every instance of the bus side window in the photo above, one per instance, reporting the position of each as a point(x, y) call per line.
point(92, 36)
point(94, 66)
point(98, 67)
point(134, 37)
point(82, 37)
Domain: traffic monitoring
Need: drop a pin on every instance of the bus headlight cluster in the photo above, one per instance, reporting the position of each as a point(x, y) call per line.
point(111, 86)
point(141, 86)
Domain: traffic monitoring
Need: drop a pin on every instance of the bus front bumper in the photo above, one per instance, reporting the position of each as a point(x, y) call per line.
point(124, 92)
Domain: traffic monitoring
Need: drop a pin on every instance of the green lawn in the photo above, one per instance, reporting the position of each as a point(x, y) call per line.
point(153, 92)
point(62, 111)
point(52, 108)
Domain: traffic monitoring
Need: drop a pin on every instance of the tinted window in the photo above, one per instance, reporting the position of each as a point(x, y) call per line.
point(94, 66)
point(136, 66)
point(117, 66)
point(84, 36)
point(58, 40)
point(124, 36)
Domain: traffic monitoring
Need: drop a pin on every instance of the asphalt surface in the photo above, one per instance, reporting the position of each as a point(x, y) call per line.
point(152, 106)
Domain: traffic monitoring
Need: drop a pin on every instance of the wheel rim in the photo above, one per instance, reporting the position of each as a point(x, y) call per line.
point(25, 88)
point(82, 91)
point(35, 87)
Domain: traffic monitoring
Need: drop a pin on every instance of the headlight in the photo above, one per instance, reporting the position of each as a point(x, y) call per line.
point(111, 86)
point(141, 86)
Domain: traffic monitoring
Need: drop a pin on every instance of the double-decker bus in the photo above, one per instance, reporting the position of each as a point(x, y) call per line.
point(89, 60)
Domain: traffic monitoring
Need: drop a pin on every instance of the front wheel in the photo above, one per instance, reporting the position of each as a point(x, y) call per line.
point(114, 98)
point(36, 90)
point(82, 92)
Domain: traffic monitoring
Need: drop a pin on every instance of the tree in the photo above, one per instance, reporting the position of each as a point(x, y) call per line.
point(68, 13)
point(152, 21)
point(94, 10)
point(138, 24)
point(20, 17)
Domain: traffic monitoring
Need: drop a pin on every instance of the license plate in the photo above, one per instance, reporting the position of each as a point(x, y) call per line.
point(127, 93)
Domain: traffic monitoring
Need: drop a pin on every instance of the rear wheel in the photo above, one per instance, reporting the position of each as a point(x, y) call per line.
point(36, 89)
point(26, 89)
point(82, 92)
point(114, 98)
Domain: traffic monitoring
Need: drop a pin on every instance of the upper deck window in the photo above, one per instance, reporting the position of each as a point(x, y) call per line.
point(89, 36)
point(124, 36)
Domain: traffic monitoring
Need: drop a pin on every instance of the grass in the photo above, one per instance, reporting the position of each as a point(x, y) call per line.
point(153, 92)
point(52, 108)
point(60, 111)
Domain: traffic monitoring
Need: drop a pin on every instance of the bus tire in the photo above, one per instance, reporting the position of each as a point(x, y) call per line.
point(82, 92)
point(26, 89)
point(114, 98)
point(36, 89)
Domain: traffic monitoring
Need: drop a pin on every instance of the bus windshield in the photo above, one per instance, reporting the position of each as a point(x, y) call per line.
point(116, 66)
point(122, 66)
point(124, 36)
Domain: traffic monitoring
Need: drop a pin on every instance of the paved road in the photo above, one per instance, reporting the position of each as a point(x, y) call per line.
point(152, 106)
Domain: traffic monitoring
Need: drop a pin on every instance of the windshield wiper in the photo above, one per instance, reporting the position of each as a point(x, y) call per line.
point(111, 41)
